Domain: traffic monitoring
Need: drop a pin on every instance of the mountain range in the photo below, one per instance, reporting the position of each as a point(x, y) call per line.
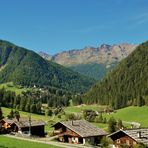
point(126, 85)
point(91, 61)
point(25, 67)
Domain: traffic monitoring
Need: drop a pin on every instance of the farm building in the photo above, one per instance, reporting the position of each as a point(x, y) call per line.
point(130, 137)
point(78, 131)
point(5, 123)
point(24, 125)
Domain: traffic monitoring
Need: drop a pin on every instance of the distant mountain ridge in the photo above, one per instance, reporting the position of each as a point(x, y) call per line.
point(102, 58)
point(25, 67)
point(105, 54)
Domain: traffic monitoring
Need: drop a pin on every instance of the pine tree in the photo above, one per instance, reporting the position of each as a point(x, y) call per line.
point(112, 125)
point(17, 115)
point(140, 101)
point(1, 114)
point(119, 124)
point(11, 114)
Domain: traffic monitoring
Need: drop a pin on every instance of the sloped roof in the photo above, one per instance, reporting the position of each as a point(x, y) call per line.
point(26, 123)
point(9, 121)
point(133, 133)
point(82, 128)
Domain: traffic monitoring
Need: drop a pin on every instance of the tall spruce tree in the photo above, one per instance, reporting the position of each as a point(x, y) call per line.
point(1, 114)
point(112, 125)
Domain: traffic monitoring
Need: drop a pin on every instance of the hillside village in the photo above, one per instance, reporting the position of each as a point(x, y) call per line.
point(86, 122)
point(74, 74)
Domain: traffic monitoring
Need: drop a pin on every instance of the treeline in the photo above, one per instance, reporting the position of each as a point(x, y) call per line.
point(126, 85)
point(33, 100)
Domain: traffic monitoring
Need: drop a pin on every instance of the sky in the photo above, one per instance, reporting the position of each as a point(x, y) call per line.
point(54, 26)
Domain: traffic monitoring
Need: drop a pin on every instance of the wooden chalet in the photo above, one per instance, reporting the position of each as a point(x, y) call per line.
point(130, 137)
point(78, 131)
point(36, 127)
point(5, 125)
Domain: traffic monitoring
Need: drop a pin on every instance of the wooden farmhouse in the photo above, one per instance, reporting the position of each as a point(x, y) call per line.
point(78, 132)
point(130, 137)
point(36, 127)
point(5, 123)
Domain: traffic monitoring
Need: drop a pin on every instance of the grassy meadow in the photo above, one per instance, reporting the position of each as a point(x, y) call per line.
point(132, 114)
point(128, 114)
point(80, 108)
point(16, 88)
point(7, 142)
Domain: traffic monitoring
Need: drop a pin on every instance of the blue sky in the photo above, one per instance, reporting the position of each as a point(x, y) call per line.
point(56, 25)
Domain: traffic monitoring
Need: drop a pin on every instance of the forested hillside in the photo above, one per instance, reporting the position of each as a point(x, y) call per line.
point(93, 70)
point(25, 67)
point(126, 85)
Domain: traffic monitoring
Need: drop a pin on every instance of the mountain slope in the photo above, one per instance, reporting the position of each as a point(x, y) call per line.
point(105, 54)
point(98, 60)
point(127, 82)
point(92, 70)
point(25, 67)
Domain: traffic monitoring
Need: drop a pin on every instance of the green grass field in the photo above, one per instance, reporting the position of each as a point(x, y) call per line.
point(6, 111)
point(132, 114)
point(6, 142)
point(129, 114)
point(16, 88)
point(80, 108)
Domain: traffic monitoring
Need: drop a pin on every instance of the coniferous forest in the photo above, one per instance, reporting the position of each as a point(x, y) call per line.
point(26, 68)
point(126, 85)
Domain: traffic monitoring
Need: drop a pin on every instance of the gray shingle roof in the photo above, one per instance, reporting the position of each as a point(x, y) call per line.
point(83, 128)
point(25, 123)
point(134, 134)
point(9, 121)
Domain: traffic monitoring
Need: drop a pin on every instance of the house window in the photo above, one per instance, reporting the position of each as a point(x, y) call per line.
point(134, 143)
point(127, 142)
point(118, 141)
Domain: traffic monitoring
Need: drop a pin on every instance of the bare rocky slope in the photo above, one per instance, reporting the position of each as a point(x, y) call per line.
point(91, 61)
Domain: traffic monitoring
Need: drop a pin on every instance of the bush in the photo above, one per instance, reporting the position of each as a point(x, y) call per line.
point(112, 125)
point(104, 142)
point(73, 116)
point(89, 115)
point(99, 119)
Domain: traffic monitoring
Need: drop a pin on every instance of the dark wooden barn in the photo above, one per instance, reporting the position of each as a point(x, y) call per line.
point(35, 127)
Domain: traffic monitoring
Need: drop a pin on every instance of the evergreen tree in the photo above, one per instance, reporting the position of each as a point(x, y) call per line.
point(17, 115)
point(22, 103)
point(11, 114)
point(1, 114)
point(119, 124)
point(140, 101)
point(33, 108)
point(38, 107)
point(112, 125)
